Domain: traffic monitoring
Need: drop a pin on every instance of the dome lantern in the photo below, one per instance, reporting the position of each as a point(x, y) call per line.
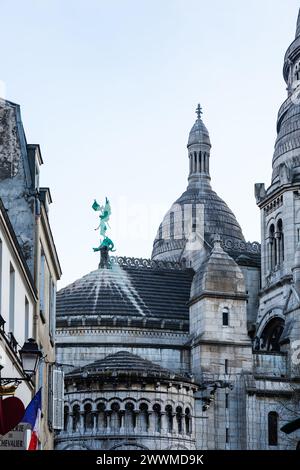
point(199, 151)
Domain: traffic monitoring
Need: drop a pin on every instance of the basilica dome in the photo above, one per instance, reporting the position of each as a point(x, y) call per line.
point(199, 208)
point(133, 293)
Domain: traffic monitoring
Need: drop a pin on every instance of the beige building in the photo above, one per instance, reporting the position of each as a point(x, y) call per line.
point(27, 206)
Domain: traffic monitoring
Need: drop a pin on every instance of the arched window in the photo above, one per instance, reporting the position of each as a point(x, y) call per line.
point(188, 421)
point(271, 335)
point(273, 428)
point(195, 162)
point(169, 418)
point(76, 418)
point(102, 417)
point(66, 418)
point(88, 417)
point(157, 417)
point(129, 417)
point(272, 248)
point(179, 419)
point(225, 315)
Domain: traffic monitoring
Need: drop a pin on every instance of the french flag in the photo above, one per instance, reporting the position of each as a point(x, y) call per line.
point(32, 416)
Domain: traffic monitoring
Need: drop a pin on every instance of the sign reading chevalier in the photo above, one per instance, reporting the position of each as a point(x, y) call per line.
point(14, 439)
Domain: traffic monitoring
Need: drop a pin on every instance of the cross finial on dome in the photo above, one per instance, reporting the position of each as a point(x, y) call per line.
point(199, 111)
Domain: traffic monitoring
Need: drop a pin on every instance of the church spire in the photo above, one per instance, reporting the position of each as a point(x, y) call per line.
point(199, 151)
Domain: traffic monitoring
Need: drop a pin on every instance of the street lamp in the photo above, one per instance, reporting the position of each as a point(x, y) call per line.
point(29, 355)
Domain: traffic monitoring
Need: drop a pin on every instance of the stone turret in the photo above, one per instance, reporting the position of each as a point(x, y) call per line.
point(199, 152)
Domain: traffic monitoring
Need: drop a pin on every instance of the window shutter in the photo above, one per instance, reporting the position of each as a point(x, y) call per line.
point(50, 397)
point(52, 322)
point(42, 284)
point(58, 399)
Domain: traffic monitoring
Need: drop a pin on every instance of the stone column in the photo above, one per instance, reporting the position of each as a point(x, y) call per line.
point(277, 251)
point(181, 420)
point(268, 257)
point(95, 416)
point(108, 416)
point(164, 423)
point(81, 421)
point(69, 427)
point(272, 254)
point(122, 421)
point(173, 423)
point(151, 420)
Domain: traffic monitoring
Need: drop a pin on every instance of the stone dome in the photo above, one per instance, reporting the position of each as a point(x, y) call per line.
point(137, 293)
point(125, 364)
point(216, 217)
point(199, 134)
point(199, 207)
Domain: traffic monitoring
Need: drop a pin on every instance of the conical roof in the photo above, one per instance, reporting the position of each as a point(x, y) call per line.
point(124, 363)
point(199, 134)
point(219, 274)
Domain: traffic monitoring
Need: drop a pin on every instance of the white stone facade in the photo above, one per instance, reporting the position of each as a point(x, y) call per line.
point(231, 347)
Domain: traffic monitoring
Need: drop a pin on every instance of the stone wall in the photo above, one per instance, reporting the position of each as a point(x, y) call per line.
point(151, 416)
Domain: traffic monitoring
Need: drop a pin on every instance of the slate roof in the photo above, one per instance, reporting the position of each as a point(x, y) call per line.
point(125, 363)
point(127, 291)
point(218, 220)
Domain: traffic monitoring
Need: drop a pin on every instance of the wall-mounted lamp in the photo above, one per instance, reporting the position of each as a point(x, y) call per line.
point(30, 356)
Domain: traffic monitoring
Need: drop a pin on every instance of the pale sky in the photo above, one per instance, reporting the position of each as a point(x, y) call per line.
point(109, 89)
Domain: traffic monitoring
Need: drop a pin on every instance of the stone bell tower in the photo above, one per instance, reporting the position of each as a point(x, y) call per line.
point(280, 216)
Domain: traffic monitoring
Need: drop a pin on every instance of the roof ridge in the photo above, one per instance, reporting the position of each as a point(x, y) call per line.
point(147, 263)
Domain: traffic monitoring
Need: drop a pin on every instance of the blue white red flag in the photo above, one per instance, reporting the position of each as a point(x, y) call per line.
point(32, 416)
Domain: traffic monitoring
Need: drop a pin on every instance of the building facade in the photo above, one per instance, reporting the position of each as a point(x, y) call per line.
point(17, 305)
point(26, 205)
point(197, 348)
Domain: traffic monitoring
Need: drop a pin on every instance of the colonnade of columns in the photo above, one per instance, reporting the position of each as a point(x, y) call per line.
point(113, 419)
point(199, 162)
point(275, 246)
